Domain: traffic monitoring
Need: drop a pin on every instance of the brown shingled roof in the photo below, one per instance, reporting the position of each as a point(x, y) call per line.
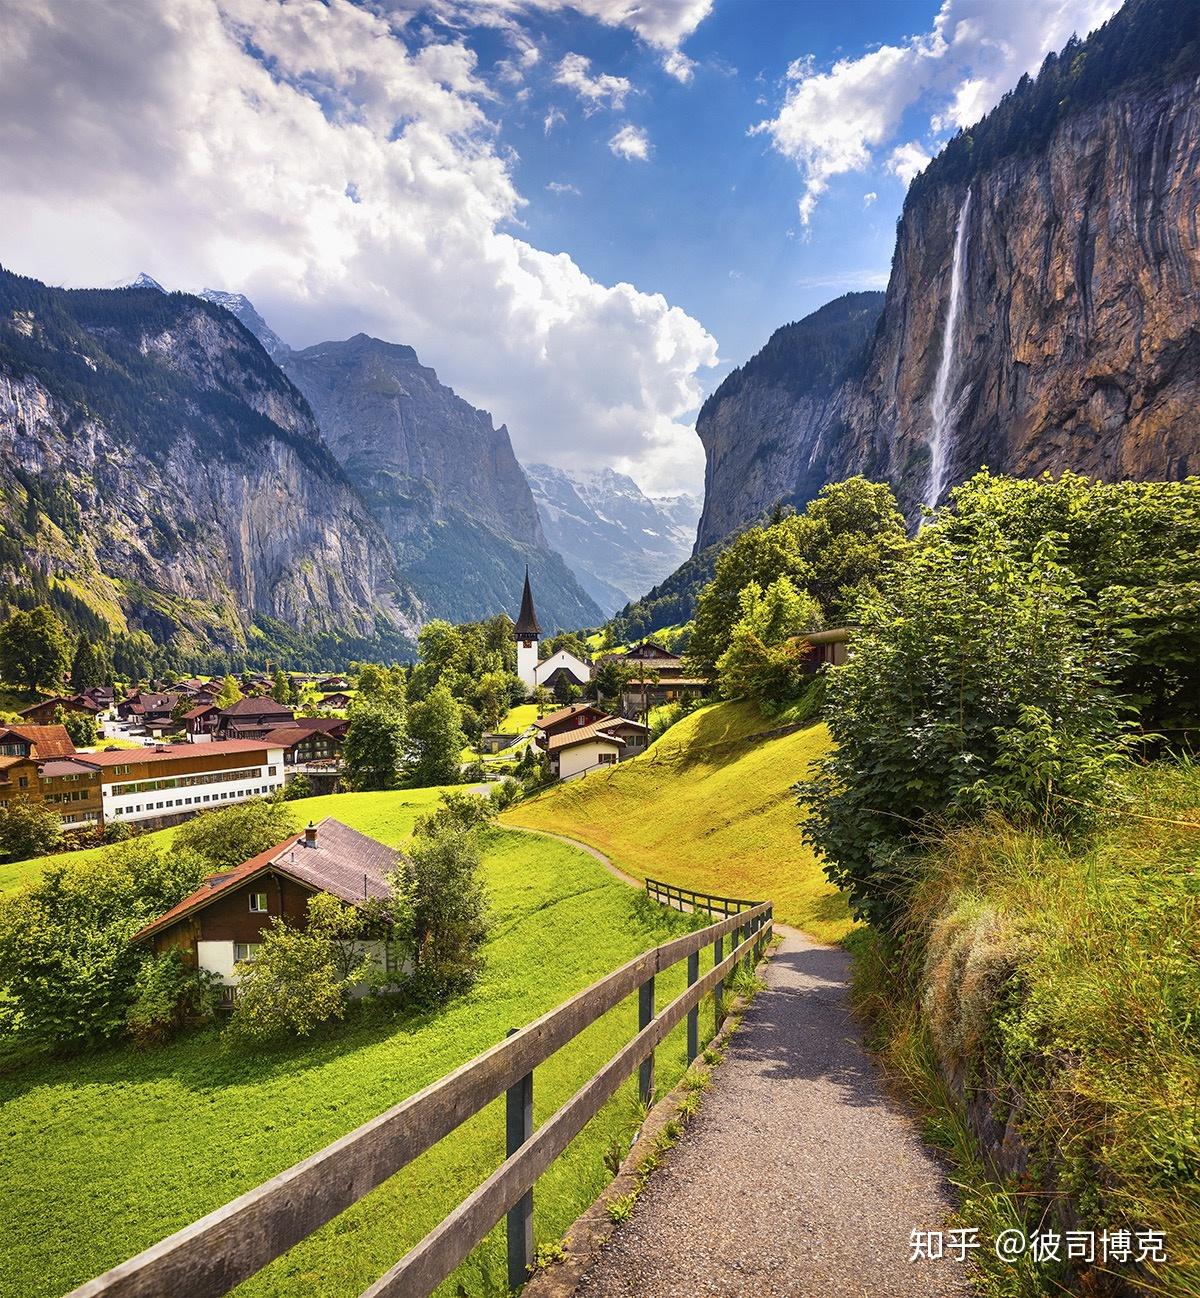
point(47, 741)
point(568, 738)
point(350, 865)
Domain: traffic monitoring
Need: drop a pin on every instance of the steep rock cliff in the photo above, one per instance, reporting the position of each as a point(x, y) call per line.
point(774, 428)
point(439, 477)
point(158, 471)
point(1073, 339)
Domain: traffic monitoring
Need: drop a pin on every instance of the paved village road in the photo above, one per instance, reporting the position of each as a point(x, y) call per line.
point(799, 1176)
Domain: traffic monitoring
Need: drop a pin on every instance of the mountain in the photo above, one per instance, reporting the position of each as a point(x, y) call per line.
point(1042, 311)
point(159, 474)
point(237, 304)
point(441, 480)
point(618, 540)
point(775, 426)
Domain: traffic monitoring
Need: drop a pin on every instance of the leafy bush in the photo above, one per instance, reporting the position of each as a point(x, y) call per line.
point(68, 969)
point(299, 786)
point(168, 996)
point(227, 837)
point(301, 977)
point(767, 658)
point(979, 680)
point(28, 829)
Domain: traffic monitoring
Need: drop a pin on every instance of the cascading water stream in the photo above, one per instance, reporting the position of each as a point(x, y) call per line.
point(943, 408)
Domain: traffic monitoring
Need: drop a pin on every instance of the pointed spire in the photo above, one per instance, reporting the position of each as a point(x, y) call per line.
point(526, 627)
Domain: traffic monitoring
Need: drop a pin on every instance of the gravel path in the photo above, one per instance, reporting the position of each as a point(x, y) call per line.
point(799, 1176)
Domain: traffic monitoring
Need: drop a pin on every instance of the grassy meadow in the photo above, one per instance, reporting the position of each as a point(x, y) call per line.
point(708, 806)
point(101, 1156)
point(387, 816)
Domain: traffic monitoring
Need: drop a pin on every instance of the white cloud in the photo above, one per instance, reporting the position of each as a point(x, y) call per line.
point(678, 65)
point(595, 92)
point(662, 23)
point(555, 117)
point(869, 198)
point(631, 143)
point(219, 145)
point(834, 122)
point(558, 187)
point(907, 160)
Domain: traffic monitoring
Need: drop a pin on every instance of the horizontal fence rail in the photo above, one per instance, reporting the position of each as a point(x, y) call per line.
point(680, 898)
point(215, 1254)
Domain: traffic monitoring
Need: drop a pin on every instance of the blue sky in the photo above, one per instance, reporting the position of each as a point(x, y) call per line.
point(580, 212)
point(710, 218)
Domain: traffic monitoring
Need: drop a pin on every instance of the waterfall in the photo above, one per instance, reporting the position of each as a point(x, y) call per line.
point(943, 408)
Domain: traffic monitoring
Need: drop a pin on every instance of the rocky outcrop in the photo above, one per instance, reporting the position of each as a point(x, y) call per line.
point(774, 430)
point(1075, 339)
point(619, 541)
point(158, 471)
point(441, 480)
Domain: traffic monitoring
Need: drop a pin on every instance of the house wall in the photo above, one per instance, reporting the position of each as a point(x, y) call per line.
point(580, 670)
point(579, 758)
point(246, 775)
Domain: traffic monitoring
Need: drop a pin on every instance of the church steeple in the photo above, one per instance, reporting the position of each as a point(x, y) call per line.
point(526, 627)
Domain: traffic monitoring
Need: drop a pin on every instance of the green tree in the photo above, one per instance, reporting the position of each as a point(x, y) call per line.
point(440, 905)
point(34, 650)
point(229, 693)
point(1135, 545)
point(301, 977)
point(67, 965)
point(381, 685)
point(168, 997)
point(28, 829)
point(845, 539)
point(92, 664)
point(281, 689)
point(81, 726)
point(436, 739)
point(609, 680)
point(978, 681)
point(374, 750)
point(308, 702)
point(493, 697)
point(766, 659)
point(226, 837)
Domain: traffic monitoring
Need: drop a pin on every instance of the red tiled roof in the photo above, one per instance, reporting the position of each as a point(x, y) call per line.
point(350, 865)
point(194, 713)
point(562, 714)
point(120, 756)
point(568, 738)
point(47, 741)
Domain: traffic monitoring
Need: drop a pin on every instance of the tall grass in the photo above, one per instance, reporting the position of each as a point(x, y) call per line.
point(1056, 992)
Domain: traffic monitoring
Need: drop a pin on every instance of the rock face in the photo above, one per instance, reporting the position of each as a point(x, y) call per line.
point(441, 480)
point(774, 428)
point(1074, 343)
point(618, 540)
point(158, 473)
point(239, 305)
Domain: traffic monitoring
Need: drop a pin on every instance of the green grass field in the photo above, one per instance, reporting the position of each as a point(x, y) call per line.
point(709, 806)
point(102, 1156)
point(387, 816)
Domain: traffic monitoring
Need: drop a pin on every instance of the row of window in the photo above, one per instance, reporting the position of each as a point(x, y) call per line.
point(76, 795)
point(174, 804)
point(190, 781)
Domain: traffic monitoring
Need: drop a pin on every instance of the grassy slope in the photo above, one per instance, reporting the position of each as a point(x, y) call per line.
point(100, 1157)
point(386, 816)
point(709, 806)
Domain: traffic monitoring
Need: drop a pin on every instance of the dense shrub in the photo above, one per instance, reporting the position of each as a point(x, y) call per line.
point(28, 829)
point(227, 837)
point(168, 997)
point(979, 680)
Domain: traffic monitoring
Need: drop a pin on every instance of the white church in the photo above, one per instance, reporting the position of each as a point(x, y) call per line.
point(558, 666)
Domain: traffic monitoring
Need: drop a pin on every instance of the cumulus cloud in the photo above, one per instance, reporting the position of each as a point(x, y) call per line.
point(662, 23)
point(907, 160)
point(835, 121)
point(631, 143)
point(678, 65)
point(601, 90)
point(221, 146)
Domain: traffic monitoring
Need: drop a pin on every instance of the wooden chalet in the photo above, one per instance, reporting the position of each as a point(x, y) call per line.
point(311, 750)
point(338, 702)
point(658, 677)
point(252, 718)
point(43, 712)
point(221, 924)
point(201, 721)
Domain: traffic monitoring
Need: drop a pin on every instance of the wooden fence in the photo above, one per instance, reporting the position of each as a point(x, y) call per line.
point(686, 899)
point(216, 1253)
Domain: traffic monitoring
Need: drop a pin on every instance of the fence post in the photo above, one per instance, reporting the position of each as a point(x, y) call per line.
point(748, 958)
point(518, 1128)
point(645, 1014)
point(693, 1027)
point(719, 989)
